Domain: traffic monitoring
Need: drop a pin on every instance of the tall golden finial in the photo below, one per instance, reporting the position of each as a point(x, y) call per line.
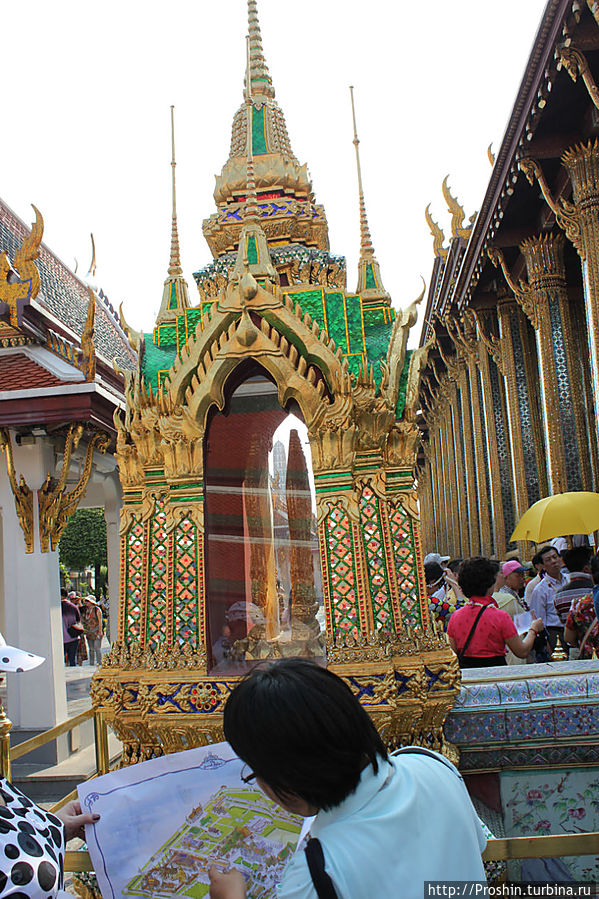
point(366, 248)
point(175, 261)
point(370, 284)
point(251, 206)
point(92, 266)
point(175, 296)
point(258, 80)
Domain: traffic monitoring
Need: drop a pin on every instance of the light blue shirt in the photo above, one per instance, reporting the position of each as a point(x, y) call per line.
point(411, 822)
point(541, 601)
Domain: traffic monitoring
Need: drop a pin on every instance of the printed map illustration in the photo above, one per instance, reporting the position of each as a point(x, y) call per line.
point(164, 822)
point(239, 828)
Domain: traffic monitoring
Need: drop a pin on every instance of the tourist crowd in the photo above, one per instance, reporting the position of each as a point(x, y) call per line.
point(506, 613)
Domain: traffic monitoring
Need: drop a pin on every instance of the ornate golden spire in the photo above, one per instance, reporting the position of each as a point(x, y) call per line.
point(370, 283)
point(295, 218)
point(175, 261)
point(259, 81)
point(251, 205)
point(175, 296)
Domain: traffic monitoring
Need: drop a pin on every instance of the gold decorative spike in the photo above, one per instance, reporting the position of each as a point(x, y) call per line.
point(398, 341)
point(92, 266)
point(258, 80)
point(370, 283)
point(134, 337)
point(491, 342)
point(574, 62)
point(565, 212)
point(22, 494)
point(437, 234)
point(593, 5)
point(491, 155)
point(20, 281)
point(88, 349)
point(418, 362)
point(559, 654)
point(366, 248)
point(457, 212)
point(175, 295)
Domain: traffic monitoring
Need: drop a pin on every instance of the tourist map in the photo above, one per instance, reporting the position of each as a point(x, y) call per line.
point(165, 822)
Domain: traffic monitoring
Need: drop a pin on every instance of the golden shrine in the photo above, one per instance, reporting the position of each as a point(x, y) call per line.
point(267, 462)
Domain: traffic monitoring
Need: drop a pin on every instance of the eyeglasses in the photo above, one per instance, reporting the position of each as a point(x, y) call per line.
point(248, 777)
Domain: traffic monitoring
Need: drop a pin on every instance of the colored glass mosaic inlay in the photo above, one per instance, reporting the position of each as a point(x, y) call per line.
point(342, 572)
point(186, 583)
point(158, 578)
point(134, 580)
point(405, 564)
point(375, 557)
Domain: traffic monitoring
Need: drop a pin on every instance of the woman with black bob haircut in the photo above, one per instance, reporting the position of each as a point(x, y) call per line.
point(311, 748)
point(299, 704)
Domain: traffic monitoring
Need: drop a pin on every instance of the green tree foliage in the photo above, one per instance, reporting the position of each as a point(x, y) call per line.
point(83, 541)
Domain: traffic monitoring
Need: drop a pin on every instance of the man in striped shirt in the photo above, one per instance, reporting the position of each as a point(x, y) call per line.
point(578, 563)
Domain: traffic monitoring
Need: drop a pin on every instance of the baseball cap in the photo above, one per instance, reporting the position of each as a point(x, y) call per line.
point(435, 557)
point(13, 659)
point(509, 567)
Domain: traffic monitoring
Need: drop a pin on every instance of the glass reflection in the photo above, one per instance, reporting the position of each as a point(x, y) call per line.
point(264, 590)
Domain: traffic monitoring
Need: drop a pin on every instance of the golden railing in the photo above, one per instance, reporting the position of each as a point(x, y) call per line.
point(78, 861)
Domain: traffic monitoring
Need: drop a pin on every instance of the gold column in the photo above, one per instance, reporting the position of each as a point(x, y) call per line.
point(462, 505)
point(440, 503)
point(451, 481)
point(469, 460)
point(546, 277)
point(509, 371)
point(531, 369)
point(582, 164)
point(479, 451)
point(493, 456)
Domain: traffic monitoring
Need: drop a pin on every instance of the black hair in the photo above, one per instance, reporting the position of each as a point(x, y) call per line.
point(432, 572)
point(546, 549)
point(576, 558)
point(477, 575)
point(454, 564)
point(537, 560)
point(595, 568)
point(63, 593)
point(302, 731)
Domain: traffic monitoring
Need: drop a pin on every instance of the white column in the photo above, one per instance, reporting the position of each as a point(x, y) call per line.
point(31, 612)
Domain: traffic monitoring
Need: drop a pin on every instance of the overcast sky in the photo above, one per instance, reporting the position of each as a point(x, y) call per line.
point(86, 133)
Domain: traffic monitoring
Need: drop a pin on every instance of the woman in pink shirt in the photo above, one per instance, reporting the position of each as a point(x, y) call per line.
point(479, 632)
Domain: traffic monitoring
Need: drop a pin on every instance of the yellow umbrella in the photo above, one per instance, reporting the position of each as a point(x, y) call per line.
point(559, 516)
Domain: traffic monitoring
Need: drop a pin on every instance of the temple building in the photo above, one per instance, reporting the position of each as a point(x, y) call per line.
point(58, 394)
point(510, 391)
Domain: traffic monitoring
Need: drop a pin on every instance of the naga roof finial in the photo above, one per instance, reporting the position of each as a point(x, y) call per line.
point(437, 234)
point(457, 213)
point(370, 283)
point(175, 296)
point(91, 273)
point(258, 80)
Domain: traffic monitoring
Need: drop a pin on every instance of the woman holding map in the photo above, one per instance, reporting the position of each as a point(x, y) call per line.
point(312, 749)
point(32, 840)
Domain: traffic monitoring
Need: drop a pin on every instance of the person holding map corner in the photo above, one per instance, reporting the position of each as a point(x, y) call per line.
point(32, 840)
point(311, 748)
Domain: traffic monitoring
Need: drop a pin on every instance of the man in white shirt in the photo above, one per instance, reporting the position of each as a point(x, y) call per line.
point(541, 602)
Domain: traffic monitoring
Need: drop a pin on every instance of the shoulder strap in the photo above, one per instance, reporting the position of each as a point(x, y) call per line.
point(462, 651)
point(421, 750)
point(321, 880)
